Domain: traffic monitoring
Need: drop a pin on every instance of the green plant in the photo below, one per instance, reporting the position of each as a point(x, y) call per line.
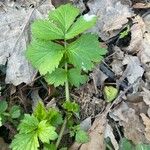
point(63, 56)
point(125, 32)
point(7, 114)
point(125, 144)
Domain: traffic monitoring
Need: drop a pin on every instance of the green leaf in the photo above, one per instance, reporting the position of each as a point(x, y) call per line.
point(57, 77)
point(63, 148)
point(46, 30)
point(125, 144)
point(110, 93)
point(54, 117)
point(28, 124)
point(1, 121)
point(142, 147)
point(15, 112)
point(84, 51)
point(3, 106)
point(81, 136)
point(46, 132)
point(40, 111)
point(75, 77)
point(64, 16)
point(71, 106)
point(124, 33)
point(25, 142)
point(82, 24)
point(49, 147)
point(45, 56)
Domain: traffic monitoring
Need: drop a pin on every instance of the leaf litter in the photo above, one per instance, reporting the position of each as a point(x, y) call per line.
point(128, 63)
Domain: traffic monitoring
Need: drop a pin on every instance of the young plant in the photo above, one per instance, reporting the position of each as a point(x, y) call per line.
point(63, 55)
point(8, 114)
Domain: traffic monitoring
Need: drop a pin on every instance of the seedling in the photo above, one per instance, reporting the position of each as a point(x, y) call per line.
point(8, 114)
point(63, 55)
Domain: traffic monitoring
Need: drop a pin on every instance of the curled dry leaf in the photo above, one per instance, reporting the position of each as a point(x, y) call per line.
point(96, 134)
point(112, 16)
point(146, 122)
point(15, 35)
point(137, 32)
point(133, 128)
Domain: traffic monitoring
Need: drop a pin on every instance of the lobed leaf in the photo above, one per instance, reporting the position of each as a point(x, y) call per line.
point(40, 111)
point(71, 106)
point(75, 77)
point(46, 30)
point(54, 117)
point(45, 55)
point(25, 142)
point(46, 132)
point(85, 51)
point(28, 124)
point(81, 136)
point(3, 106)
point(57, 77)
point(82, 24)
point(64, 16)
point(15, 112)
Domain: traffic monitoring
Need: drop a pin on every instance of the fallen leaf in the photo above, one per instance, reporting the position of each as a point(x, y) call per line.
point(141, 6)
point(133, 70)
point(96, 134)
point(133, 128)
point(86, 124)
point(109, 133)
point(112, 16)
point(15, 36)
point(137, 31)
point(146, 122)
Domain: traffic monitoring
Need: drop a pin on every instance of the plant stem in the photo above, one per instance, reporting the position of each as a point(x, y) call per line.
point(67, 99)
point(67, 84)
point(61, 132)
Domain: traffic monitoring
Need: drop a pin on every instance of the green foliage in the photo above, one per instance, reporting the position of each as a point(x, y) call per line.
point(80, 135)
point(15, 112)
point(8, 114)
point(71, 106)
point(3, 106)
point(110, 93)
point(52, 115)
point(49, 147)
point(40, 111)
point(124, 33)
point(46, 55)
point(63, 56)
point(125, 144)
point(41, 125)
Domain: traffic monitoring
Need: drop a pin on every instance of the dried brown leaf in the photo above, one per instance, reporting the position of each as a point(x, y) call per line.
point(112, 16)
point(133, 128)
point(146, 122)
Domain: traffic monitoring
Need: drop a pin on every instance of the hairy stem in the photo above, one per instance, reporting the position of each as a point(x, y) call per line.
point(67, 99)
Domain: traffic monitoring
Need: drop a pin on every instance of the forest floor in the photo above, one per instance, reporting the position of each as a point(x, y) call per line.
point(112, 120)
